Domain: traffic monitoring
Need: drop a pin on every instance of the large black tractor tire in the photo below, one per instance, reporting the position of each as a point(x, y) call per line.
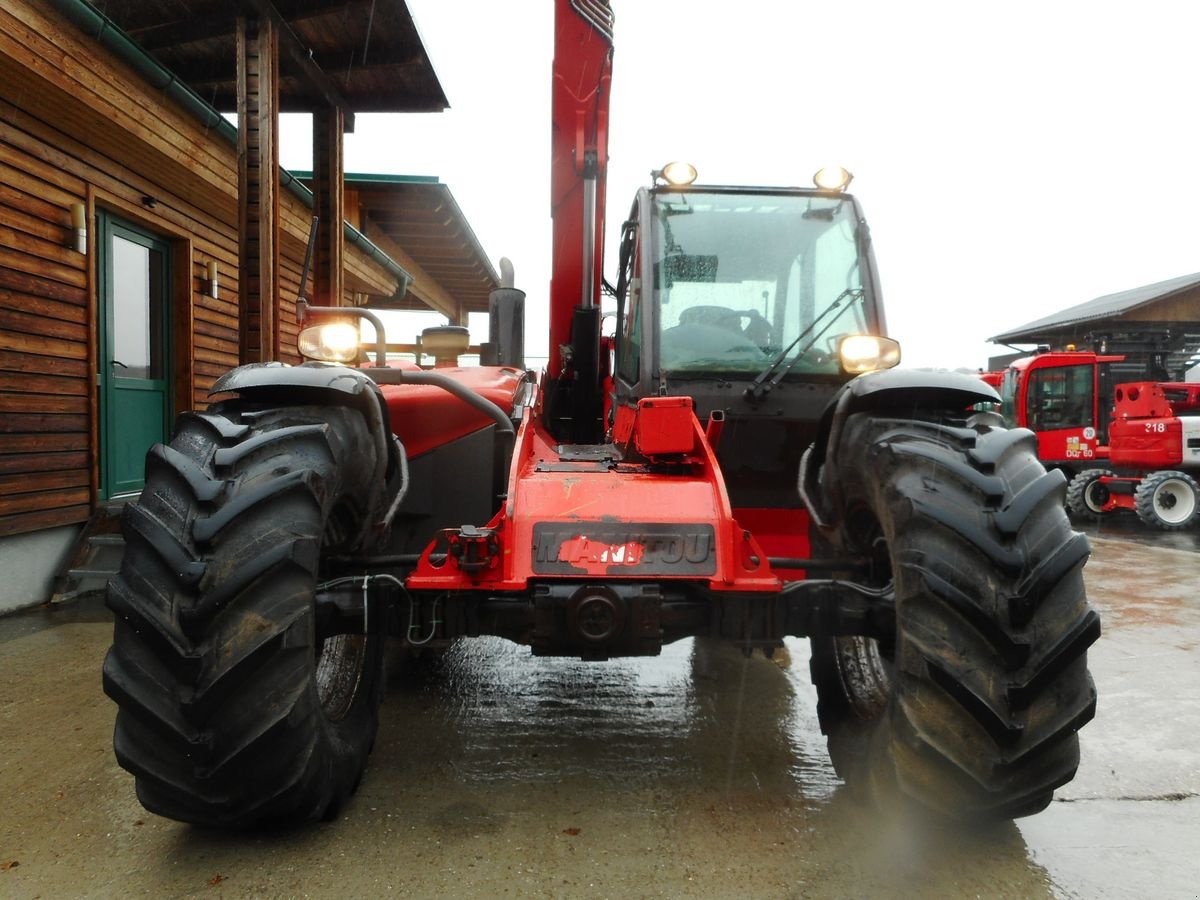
point(233, 710)
point(971, 709)
point(1086, 495)
point(1168, 500)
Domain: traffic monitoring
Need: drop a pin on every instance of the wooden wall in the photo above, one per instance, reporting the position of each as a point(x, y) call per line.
point(78, 126)
point(1184, 307)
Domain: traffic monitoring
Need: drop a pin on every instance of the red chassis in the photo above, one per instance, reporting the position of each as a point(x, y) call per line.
point(651, 505)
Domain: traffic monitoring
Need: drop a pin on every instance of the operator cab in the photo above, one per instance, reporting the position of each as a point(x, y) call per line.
point(755, 287)
point(758, 303)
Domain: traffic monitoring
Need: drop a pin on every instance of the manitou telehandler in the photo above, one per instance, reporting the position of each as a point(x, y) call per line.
point(739, 462)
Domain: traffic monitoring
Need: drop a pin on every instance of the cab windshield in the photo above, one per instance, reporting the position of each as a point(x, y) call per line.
point(744, 282)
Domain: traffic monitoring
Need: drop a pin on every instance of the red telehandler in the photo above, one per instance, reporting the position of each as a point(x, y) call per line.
point(739, 462)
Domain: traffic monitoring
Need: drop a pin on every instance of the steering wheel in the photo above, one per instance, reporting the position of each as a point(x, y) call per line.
point(716, 316)
point(757, 330)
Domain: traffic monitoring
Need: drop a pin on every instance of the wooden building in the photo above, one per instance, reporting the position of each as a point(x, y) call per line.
point(1156, 327)
point(124, 287)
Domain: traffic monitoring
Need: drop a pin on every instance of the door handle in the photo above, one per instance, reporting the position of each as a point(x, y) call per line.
point(117, 362)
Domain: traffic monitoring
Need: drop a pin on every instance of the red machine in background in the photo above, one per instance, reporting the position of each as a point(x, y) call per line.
point(1061, 396)
point(741, 462)
point(1153, 438)
point(1129, 455)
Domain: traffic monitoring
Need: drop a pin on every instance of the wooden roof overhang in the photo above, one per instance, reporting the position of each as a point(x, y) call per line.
point(417, 221)
point(365, 53)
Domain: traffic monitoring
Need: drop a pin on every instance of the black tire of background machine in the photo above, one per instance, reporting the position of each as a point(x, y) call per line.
point(972, 710)
point(1085, 496)
point(1180, 489)
point(232, 711)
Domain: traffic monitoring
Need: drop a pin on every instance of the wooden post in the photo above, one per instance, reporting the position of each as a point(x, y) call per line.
point(258, 189)
point(329, 204)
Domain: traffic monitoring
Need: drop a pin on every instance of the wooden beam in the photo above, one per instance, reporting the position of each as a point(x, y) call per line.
point(329, 205)
point(151, 32)
point(188, 30)
point(183, 326)
point(308, 9)
point(258, 190)
point(301, 56)
point(200, 72)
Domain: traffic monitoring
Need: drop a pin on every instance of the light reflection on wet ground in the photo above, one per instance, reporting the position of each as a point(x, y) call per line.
point(696, 709)
point(696, 773)
point(1127, 527)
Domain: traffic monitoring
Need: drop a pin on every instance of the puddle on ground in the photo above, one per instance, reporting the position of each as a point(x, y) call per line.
point(1140, 585)
point(502, 714)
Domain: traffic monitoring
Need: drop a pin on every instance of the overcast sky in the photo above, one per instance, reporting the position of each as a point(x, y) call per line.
point(1012, 160)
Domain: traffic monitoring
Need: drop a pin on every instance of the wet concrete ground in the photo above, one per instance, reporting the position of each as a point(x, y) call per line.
point(698, 773)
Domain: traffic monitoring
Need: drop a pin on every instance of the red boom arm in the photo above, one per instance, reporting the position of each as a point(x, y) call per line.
point(578, 161)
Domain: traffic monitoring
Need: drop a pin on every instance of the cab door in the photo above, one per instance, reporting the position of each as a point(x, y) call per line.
point(134, 352)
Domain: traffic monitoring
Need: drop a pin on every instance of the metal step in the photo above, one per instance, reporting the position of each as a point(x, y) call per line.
point(80, 583)
point(95, 559)
point(84, 572)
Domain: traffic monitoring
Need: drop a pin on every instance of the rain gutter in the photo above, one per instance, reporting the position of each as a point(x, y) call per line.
point(99, 27)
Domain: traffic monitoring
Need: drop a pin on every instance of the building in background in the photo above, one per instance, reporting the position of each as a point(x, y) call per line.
point(124, 287)
point(1156, 328)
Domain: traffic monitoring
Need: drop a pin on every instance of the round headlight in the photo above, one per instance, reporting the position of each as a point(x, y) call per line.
point(330, 342)
point(867, 352)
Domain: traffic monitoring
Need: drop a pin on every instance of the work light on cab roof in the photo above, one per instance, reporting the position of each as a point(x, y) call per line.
point(677, 174)
point(833, 178)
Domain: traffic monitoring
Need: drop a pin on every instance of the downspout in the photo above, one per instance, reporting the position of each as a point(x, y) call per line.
point(353, 235)
point(100, 28)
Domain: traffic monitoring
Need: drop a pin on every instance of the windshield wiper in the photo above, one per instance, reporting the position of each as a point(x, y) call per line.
point(758, 388)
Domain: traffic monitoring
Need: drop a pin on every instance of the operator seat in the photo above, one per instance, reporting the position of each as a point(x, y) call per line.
point(757, 329)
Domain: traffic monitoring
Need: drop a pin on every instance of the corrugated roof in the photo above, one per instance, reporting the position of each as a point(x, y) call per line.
point(1100, 308)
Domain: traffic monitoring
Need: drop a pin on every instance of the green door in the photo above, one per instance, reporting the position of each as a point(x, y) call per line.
point(135, 365)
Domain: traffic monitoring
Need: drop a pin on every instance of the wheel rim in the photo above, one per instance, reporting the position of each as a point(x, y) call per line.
point(341, 658)
point(866, 664)
point(866, 670)
point(1174, 501)
point(339, 673)
point(1095, 496)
